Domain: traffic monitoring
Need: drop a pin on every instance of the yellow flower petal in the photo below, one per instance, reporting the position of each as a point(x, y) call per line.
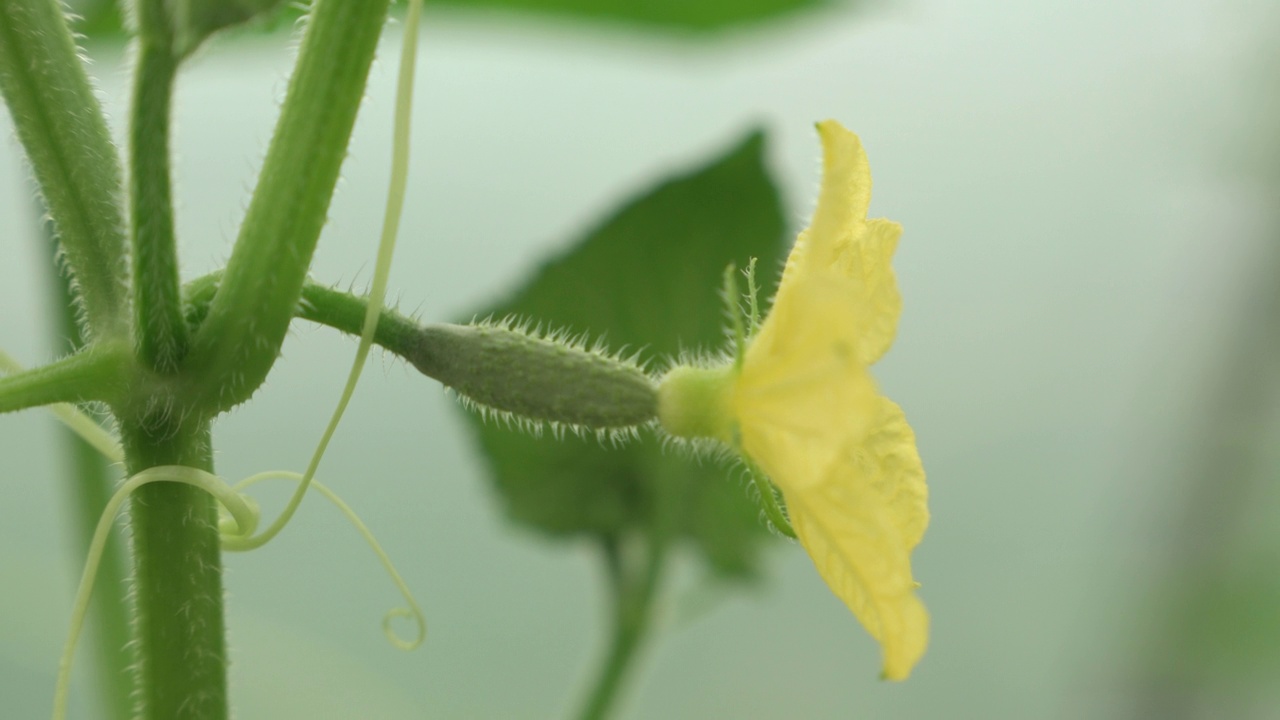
point(866, 260)
point(842, 201)
point(804, 408)
point(803, 392)
point(840, 239)
point(889, 459)
point(855, 541)
point(845, 194)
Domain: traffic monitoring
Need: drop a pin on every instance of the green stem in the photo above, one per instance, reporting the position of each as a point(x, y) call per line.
point(161, 339)
point(88, 488)
point(179, 629)
point(238, 342)
point(89, 375)
point(632, 612)
point(181, 648)
point(345, 312)
point(324, 305)
point(61, 126)
point(635, 589)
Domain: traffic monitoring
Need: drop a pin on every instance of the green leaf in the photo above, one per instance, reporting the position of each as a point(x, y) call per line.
point(648, 277)
point(695, 15)
point(102, 19)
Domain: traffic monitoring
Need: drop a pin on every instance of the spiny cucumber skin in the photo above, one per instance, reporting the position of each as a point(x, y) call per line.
point(536, 378)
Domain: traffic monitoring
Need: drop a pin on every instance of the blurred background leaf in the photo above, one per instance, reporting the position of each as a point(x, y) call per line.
point(1214, 647)
point(102, 19)
point(98, 19)
point(1231, 629)
point(647, 278)
point(665, 14)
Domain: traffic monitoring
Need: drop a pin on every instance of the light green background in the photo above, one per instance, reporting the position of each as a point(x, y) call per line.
point(1073, 240)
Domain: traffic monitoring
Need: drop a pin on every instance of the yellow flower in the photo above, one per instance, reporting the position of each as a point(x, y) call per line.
point(800, 405)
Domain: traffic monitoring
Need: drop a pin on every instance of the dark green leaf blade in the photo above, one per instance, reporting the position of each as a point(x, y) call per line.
point(648, 277)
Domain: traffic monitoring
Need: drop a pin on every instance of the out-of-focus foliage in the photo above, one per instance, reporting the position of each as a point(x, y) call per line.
point(1215, 649)
point(98, 19)
point(670, 14)
point(647, 278)
point(201, 18)
point(102, 19)
point(1232, 628)
point(105, 20)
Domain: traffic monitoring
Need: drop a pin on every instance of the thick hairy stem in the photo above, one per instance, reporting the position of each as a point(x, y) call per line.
point(161, 336)
point(88, 376)
point(239, 340)
point(177, 588)
point(62, 129)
